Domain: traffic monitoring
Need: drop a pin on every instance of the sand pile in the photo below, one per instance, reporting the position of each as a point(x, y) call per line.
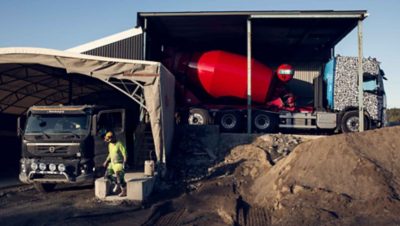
point(348, 179)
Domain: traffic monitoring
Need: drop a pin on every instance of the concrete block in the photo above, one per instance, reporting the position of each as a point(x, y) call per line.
point(140, 187)
point(102, 188)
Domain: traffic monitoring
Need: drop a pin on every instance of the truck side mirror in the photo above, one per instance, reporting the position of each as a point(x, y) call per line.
point(94, 125)
point(380, 92)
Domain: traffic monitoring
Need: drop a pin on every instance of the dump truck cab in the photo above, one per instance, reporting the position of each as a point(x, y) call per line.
point(64, 144)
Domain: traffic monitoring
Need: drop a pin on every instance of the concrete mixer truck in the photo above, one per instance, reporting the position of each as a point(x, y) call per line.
point(297, 82)
point(212, 89)
point(316, 91)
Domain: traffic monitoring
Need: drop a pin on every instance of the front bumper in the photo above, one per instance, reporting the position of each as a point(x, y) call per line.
point(54, 177)
point(73, 172)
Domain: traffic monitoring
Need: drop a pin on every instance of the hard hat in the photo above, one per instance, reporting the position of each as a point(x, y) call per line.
point(108, 137)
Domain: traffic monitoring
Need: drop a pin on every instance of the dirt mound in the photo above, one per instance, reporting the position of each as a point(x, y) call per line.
point(218, 198)
point(346, 179)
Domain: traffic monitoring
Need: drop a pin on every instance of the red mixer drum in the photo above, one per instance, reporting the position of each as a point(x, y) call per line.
point(224, 74)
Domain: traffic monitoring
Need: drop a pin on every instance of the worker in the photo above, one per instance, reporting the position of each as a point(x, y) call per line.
point(115, 163)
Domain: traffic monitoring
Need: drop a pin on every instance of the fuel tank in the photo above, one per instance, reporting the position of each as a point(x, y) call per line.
point(224, 74)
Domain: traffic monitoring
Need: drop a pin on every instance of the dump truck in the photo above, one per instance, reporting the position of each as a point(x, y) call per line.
point(64, 144)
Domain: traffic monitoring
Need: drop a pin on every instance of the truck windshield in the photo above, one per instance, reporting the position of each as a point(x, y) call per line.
point(56, 123)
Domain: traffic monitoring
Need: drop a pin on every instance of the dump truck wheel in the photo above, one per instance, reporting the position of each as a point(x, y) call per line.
point(44, 187)
point(198, 116)
point(230, 121)
point(350, 122)
point(264, 122)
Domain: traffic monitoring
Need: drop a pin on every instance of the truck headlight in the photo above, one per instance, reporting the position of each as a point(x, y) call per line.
point(52, 167)
point(23, 167)
point(42, 166)
point(34, 166)
point(61, 167)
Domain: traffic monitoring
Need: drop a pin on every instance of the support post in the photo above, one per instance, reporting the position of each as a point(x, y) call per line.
point(360, 78)
point(70, 90)
point(249, 119)
point(144, 39)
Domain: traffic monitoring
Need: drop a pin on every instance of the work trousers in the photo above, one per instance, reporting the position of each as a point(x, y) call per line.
point(115, 172)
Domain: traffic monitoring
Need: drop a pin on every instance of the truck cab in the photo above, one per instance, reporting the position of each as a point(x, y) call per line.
point(64, 144)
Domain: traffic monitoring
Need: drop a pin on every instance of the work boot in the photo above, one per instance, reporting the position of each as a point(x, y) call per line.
point(123, 192)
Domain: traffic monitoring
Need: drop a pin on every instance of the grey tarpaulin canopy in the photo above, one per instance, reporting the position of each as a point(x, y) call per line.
point(28, 77)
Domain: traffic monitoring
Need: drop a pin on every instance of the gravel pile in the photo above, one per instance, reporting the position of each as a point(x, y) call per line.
point(196, 160)
point(346, 84)
point(277, 145)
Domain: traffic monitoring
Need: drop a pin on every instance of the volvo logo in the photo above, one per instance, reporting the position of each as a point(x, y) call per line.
point(52, 149)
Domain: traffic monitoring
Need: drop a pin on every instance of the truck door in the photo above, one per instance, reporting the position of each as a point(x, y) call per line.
point(108, 120)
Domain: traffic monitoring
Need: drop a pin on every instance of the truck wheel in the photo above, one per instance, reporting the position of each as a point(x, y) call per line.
point(264, 122)
point(230, 121)
point(44, 187)
point(350, 122)
point(198, 116)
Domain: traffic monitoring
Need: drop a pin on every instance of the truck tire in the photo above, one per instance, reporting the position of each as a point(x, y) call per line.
point(230, 121)
point(44, 187)
point(264, 122)
point(198, 116)
point(349, 122)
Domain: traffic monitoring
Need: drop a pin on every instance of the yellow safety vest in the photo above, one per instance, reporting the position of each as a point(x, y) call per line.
point(116, 152)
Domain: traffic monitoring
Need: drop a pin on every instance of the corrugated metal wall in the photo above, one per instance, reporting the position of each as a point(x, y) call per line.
point(130, 48)
point(302, 83)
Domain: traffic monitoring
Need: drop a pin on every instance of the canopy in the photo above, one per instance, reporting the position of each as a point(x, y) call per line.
point(277, 35)
point(34, 76)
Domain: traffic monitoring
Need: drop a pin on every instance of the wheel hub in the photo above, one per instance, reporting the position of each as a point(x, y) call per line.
point(262, 121)
point(196, 119)
point(353, 124)
point(228, 121)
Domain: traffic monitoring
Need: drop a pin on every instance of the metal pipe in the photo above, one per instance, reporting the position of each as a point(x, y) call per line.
point(360, 78)
point(249, 76)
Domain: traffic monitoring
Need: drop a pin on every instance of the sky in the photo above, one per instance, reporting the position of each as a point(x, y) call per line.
point(65, 24)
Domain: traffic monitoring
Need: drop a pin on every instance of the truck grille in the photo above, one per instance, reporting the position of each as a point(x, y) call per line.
point(53, 149)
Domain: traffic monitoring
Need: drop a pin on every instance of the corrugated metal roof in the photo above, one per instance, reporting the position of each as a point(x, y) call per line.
point(105, 41)
point(129, 48)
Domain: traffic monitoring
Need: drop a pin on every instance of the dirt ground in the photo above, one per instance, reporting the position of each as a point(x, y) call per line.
point(346, 179)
